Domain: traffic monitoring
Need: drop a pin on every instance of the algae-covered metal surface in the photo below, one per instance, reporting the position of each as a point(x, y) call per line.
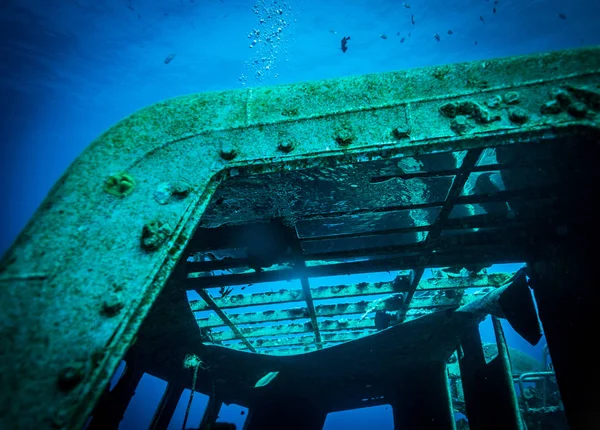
point(83, 274)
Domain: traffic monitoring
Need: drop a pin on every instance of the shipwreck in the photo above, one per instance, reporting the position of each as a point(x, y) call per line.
point(140, 250)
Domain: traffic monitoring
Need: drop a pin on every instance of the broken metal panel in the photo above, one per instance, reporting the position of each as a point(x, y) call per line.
point(520, 154)
point(491, 181)
point(365, 223)
point(319, 191)
point(417, 166)
point(362, 243)
point(529, 209)
point(120, 217)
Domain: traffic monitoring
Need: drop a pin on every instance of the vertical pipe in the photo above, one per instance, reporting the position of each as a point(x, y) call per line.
point(166, 408)
point(108, 415)
point(423, 400)
point(565, 286)
point(211, 412)
point(507, 374)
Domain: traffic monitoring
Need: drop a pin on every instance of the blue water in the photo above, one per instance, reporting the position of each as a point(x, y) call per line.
point(69, 69)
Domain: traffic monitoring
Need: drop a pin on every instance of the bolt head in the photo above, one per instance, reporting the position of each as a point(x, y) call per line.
point(228, 152)
point(286, 146)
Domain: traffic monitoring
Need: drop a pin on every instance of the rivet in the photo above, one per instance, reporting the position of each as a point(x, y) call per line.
point(518, 116)
point(460, 124)
point(511, 98)
point(286, 146)
point(228, 152)
point(111, 305)
point(577, 110)
point(400, 133)
point(71, 375)
point(552, 107)
point(344, 139)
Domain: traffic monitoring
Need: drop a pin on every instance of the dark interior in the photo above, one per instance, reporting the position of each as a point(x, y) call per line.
point(528, 199)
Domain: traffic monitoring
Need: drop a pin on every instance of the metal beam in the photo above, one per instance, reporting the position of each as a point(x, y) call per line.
point(310, 306)
point(110, 412)
point(435, 232)
point(499, 196)
point(166, 408)
point(400, 284)
point(500, 253)
point(223, 316)
point(532, 194)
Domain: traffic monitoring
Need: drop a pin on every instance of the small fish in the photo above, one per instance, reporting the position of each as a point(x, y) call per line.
point(266, 379)
point(496, 2)
point(130, 7)
point(436, 36)
point(139, 16)
point(562, 16)
point(412, 18)
point(494, 10)
point(481, 19)
point(169, 58)
point(383, 36)
point(475, 42)
point(408, 34)
point(402, 40)
point(398, 33)
point(406, 5)
point(345, 43)
point(332, 31)
point(450, 32)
